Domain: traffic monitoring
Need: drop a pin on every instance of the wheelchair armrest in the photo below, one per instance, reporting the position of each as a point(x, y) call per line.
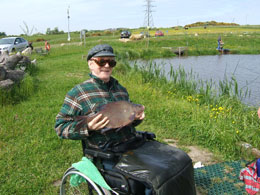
point(99, 154)
point(147, 135)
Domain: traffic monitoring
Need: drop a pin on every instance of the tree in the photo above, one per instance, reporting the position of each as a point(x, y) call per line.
point(2, 34)
point(54, 31)
point(26, 29)
point(48, 31)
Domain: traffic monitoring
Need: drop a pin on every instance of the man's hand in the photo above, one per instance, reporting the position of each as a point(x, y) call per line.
point(140, 116)
point(258, 112)
point(97, 124)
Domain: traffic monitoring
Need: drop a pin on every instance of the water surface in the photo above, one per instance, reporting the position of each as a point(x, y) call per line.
point(245, 68)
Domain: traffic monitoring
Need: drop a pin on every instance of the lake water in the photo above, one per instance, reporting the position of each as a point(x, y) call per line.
point(245, 68)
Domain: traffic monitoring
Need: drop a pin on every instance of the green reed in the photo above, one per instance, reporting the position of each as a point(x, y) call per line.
point(189, 83)
point(193, 110)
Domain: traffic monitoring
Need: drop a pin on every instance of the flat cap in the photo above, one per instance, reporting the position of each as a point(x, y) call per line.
point(101, 50)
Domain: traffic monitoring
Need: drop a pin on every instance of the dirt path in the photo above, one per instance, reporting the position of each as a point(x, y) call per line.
point(196, 153)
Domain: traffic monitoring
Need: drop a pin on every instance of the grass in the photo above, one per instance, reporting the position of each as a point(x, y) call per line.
point(214, 122)
point(200, 41)
point(33, 158)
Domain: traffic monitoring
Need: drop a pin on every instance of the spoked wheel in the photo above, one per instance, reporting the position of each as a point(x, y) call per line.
point(88, 187)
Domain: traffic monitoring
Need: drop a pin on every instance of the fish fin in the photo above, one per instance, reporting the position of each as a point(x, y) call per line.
point(79, 118)
point(82, 120)
point(102, 107)
point(91, 116)
point(132, 117)
point(80, 123)
point(118, 129)
point(104, 130)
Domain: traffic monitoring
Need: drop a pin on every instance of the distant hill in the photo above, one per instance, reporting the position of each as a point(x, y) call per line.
point(210, 23)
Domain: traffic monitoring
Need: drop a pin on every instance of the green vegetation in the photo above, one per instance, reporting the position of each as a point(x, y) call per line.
point(199, 41)
point(55, 31)
point(210, 23)
point(33, 158)
point(2, 34)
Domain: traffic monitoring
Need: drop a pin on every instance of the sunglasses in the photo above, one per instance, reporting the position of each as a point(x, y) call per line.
point(102, 62)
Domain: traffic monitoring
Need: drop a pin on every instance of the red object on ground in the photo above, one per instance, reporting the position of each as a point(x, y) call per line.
point(159, 33)
point(47, 46)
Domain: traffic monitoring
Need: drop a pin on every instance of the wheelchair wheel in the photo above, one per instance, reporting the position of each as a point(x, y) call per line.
point(88, 187)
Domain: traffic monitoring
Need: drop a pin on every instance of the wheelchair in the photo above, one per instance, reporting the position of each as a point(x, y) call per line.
point(125, 181)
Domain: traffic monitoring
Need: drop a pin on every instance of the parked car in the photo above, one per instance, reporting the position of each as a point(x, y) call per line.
point(12, 44)
point(125, 34)
point(159, 33)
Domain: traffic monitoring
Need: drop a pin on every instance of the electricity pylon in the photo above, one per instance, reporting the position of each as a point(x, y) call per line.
point(148, 20)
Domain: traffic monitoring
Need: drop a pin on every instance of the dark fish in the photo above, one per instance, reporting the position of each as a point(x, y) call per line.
point(119, 114)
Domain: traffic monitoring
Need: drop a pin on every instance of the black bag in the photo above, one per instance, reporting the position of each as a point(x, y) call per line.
point(167, 169)
point(119, 183)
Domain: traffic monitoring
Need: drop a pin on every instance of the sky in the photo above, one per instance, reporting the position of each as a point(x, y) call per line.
point(39, 15)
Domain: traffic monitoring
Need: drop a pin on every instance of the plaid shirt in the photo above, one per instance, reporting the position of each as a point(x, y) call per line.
point(84, 99)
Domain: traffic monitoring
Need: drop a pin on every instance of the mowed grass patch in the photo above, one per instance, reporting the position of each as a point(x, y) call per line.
point(33, 156)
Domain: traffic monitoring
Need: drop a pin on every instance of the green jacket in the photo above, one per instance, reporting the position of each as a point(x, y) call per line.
point(85, 98)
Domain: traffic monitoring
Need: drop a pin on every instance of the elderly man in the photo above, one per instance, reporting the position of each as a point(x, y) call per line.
point(89, 96)
point(154, 164)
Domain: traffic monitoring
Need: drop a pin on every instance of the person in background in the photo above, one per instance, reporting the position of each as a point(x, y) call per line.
point(220, 44)
point(30, 45)
point(47, 46)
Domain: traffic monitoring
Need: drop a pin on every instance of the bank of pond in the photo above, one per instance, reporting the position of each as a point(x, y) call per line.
point(237, 75)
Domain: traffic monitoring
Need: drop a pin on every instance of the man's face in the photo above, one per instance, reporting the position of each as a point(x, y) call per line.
point(101, 70)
